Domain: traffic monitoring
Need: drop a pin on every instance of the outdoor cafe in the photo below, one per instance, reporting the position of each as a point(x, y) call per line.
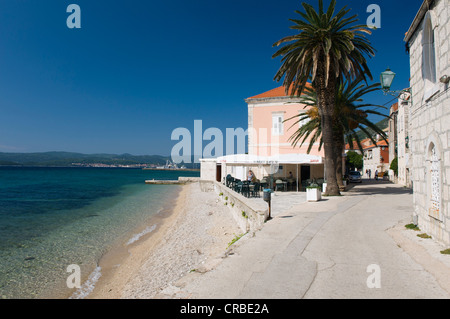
point(249, 174)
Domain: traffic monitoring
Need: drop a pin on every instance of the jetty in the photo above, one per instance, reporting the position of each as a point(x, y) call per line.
point(172, 169)
point(180, 181)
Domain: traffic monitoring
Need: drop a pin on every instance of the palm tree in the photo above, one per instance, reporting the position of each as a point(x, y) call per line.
point(327, 48)
point(350, 116)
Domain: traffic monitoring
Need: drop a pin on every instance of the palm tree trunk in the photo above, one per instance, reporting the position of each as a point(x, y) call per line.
point(339, 166)
point(330, 156)
point(326, 102)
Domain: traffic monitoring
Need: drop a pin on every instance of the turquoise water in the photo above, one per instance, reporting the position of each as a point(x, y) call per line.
point(51, 218)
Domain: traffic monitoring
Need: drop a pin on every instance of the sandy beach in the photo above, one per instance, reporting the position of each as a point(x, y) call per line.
point(192, 237)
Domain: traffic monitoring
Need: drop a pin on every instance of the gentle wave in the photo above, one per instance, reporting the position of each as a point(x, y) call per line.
point(138, 236)
point(89, 285)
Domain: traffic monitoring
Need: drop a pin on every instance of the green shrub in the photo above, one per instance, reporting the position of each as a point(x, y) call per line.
point(394, 166)
point(413, 227)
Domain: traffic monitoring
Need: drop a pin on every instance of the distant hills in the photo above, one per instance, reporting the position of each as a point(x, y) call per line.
point(64, 159)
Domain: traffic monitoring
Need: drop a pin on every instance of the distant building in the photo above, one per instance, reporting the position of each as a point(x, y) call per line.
point(393, 140)
point(376, 157)
point(429, 131)
point(403, 150)
point(354, 148)
point(398, 132)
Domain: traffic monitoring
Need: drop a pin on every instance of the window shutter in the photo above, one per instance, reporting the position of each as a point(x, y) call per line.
point(274, 125)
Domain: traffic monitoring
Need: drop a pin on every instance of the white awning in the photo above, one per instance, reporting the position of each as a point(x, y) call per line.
point(270, 160)
point(299, 159)
point(245, 159)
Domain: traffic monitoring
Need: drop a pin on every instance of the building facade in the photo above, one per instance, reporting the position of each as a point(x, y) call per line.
point(269, 126)
point(393, 140)
point(376, 158)
point(270, 150)
point(399, 141)
point(429, 132)
point(403, 150)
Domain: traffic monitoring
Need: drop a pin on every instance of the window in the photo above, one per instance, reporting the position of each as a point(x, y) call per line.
point(429, 56)
point(277, 124)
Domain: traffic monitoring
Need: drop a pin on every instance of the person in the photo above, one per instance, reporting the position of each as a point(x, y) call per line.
point(290, 175)
point(370, 173)
point(376, 175)
point(251, 177)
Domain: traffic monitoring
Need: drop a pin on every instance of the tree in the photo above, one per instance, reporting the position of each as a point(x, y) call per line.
point(327, 48)
point(350, 116)
point(354, 160)
point(394, 166)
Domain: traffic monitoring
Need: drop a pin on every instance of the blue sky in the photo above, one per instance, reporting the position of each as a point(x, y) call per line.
point(137, 70)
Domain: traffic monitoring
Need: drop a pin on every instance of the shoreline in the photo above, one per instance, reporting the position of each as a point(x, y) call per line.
point(116, 253)
point(191, 236)
point(123, 259)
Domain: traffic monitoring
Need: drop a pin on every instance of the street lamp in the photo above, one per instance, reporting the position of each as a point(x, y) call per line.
point(386, 79)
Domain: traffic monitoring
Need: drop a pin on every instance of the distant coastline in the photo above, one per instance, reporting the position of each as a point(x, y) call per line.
point(70, 159)
point(93, 165)
point(106, 166)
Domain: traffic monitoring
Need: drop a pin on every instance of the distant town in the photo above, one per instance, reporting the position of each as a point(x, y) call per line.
point(113, 165)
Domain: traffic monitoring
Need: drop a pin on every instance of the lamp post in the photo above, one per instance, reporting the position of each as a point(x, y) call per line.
point(386, 79)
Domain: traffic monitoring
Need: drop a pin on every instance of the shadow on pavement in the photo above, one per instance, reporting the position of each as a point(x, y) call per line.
point(375, 187)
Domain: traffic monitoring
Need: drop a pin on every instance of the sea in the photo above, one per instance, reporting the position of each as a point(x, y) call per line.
point(57, 223)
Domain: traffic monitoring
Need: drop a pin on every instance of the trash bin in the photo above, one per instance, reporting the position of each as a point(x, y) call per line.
point(267, 195)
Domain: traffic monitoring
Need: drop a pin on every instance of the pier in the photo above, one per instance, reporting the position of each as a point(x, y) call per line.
point(180, 181)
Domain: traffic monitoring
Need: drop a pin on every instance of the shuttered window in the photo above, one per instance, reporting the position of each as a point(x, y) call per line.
point(277, 124)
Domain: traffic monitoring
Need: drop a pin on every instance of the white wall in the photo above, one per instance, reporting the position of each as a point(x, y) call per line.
point(208, 169)
point(430, 123)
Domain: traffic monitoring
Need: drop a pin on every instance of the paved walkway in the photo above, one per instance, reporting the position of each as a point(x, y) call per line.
point(280, 201)
point(324, 249)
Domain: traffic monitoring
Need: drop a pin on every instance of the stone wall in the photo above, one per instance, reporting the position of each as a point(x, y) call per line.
point(248, 216)
point(208, 169)
point(404, 177)
point(429, 121)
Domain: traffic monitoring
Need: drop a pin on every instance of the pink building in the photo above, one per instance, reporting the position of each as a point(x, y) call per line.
point(270, 153)
point(268, 133)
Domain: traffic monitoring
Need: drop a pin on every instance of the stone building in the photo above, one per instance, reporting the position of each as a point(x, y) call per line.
point(429, 133)
point(376, 157)
point(398, 132)
point(393, 141)
point(403, 149)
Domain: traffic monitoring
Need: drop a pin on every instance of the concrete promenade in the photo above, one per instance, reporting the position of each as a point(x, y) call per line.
point(324, 250)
